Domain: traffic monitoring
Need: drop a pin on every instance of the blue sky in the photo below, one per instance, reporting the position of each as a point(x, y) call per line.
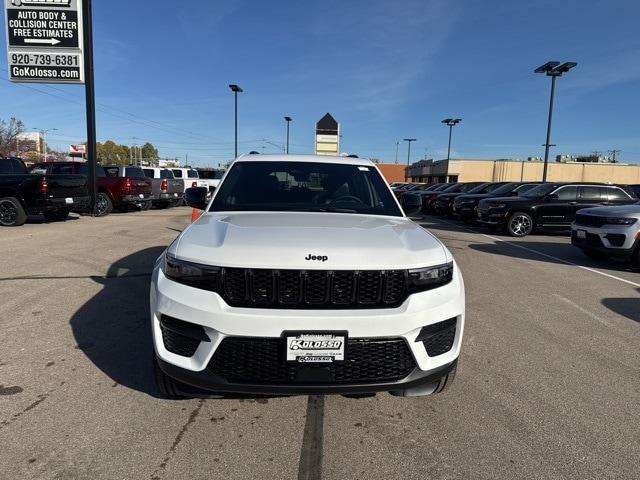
point(385, 69)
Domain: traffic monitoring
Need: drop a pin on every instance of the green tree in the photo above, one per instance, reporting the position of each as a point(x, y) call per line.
point(9, 131)
point(149, 152)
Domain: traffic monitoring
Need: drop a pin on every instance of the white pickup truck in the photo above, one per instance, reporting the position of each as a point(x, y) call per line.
point(304, 276)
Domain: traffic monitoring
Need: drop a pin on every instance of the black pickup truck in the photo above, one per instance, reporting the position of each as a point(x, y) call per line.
point(23, 193)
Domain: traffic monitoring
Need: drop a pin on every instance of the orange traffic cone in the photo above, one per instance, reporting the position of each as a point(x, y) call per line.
point(195, 214)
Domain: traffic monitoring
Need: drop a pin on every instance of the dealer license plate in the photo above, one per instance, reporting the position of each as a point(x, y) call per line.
point(315, 347)
point(140, 195)
point(68, 200)
point(581, 234)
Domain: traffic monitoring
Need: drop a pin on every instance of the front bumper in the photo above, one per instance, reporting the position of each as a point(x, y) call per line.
point(220, 321)
point(614, 241)
point(492, 217)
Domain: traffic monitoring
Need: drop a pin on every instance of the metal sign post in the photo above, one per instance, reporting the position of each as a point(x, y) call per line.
point(51, 41)
point(90, 97)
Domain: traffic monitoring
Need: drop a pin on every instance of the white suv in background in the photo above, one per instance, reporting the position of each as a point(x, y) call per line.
point(189, 177)
point(302, 276)
point(609, 232)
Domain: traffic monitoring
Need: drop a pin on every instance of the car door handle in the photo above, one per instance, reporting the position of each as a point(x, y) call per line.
point(573, 203)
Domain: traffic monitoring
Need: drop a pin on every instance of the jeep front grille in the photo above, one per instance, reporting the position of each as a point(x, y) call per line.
point(318, 289)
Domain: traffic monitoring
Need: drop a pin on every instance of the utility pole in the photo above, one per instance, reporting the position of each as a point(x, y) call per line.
point(397, 146)
point(288, 120)
point(613, 155)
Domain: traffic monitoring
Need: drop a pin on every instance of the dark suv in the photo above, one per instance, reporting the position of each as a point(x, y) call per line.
point(465, 207)
point(444, 202)
point(548, 206)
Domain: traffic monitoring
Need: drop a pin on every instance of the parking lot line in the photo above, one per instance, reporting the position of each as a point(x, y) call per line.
point(567, 262)
point(561, 260)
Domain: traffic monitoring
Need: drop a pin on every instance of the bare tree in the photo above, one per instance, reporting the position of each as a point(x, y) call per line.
point(9, 132)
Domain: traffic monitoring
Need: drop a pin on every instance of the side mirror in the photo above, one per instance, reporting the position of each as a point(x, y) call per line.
point(411, 204)
point(196, 197)
point(552, 197)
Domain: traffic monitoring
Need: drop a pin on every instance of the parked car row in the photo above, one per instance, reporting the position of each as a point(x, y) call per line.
point(57, 188)
point(604, 218)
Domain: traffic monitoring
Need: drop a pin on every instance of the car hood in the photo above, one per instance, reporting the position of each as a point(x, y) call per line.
point(621, 210)
point(285, 240)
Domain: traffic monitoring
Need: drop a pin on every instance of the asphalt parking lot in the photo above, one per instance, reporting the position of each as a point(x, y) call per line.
point(548, 384)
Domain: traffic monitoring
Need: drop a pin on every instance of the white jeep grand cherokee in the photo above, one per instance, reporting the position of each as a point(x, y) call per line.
point(304, 276)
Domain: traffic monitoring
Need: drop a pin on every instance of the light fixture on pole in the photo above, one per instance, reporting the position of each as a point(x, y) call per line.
point(236, 89)
point(288, 120)
point(409, 140)
point(552, 69)
point(44, 141)
point(450, 122)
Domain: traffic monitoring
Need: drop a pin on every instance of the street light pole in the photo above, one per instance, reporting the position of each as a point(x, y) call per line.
point(450, 122)
point(44, 141)
point(288, 120)
point(397, 146)
point(552, 69)
point(236, 89)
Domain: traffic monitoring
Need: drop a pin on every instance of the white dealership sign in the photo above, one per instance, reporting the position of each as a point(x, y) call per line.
point(44, 41)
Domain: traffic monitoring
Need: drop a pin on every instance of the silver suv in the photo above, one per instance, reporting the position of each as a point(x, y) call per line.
point(609, 232)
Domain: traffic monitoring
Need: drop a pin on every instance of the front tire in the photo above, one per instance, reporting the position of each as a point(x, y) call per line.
point(167, 386)
point(445, 381)
point(520, 224)
point(12, 214)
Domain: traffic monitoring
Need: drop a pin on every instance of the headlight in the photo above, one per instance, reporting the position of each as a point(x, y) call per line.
point(195, 275)
point(620, 221)
point(431, 277)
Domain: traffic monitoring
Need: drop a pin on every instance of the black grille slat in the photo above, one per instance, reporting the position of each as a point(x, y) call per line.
point(178, 344)
point(254, 288)
point(261, 361)
point(369, 287)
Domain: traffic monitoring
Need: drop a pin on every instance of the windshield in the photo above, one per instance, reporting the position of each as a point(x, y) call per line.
point(134, 172)
point(303, 187)
point(483, 187)
point(211, 174)
point(541, 190)
point(506, 188)
point(454, 188)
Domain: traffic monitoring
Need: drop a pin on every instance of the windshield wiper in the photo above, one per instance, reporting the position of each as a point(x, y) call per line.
point(331, 210)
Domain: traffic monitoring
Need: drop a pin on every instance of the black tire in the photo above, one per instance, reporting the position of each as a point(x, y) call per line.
point(145, 206)
point(12, 214)
point(445, 381)
point(56, 215)
point(104, 205)
point(520, 224)
point(162, 205)
point(167, 386)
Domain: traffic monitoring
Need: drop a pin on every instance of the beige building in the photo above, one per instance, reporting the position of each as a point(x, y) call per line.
point(470, 170)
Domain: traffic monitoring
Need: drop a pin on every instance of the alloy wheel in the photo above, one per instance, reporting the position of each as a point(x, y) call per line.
point(520, 225)
point(8, 212)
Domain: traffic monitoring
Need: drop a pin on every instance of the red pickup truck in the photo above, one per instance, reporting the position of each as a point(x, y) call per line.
point(118, 187)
